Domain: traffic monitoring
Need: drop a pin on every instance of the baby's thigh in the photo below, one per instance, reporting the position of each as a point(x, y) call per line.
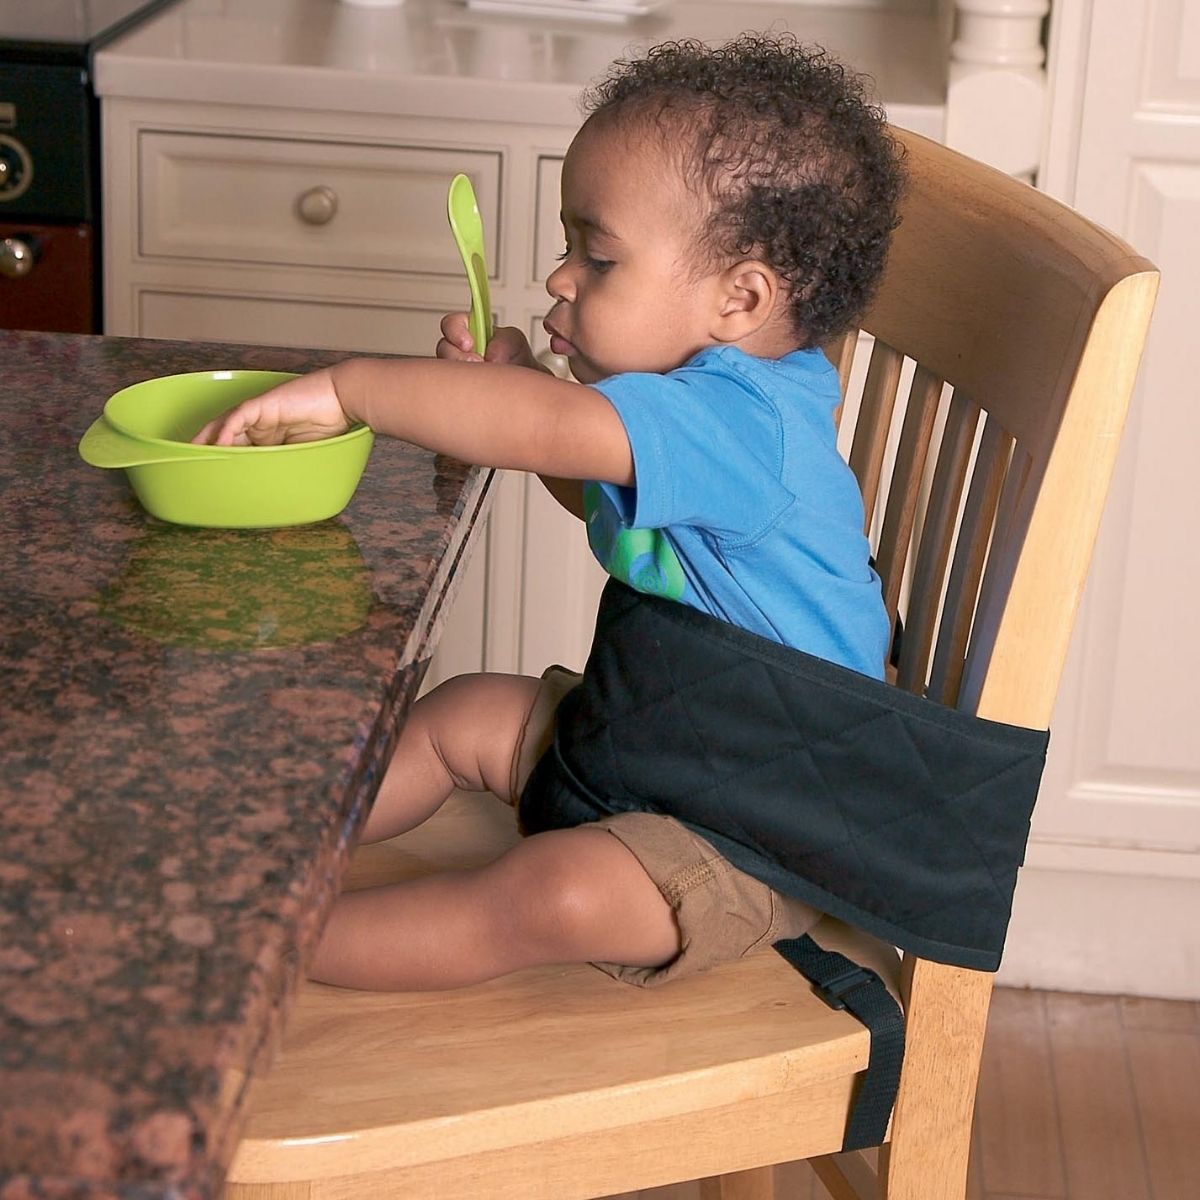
point(476, 724)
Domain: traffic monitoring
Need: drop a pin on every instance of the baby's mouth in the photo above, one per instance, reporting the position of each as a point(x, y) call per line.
point(558, 343)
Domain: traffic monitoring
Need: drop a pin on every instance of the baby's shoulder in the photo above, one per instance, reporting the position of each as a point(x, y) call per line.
point(809, 370)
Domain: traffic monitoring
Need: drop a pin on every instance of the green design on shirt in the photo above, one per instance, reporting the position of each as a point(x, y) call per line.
point(642, 558)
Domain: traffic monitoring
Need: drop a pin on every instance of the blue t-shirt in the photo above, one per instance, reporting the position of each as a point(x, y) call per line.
point(742, 505)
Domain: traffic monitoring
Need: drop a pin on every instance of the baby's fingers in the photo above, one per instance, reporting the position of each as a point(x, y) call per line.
point(456, 342)
point(229, 429)
point(509, 345)
point(208, 433)
point(456, 331)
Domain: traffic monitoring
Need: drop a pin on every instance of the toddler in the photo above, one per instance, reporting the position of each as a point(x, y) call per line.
point(726, 211)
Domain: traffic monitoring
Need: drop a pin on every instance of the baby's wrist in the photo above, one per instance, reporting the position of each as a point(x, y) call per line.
point(342, 387)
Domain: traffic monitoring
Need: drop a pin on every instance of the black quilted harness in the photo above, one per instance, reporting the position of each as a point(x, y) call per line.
point(891, 812)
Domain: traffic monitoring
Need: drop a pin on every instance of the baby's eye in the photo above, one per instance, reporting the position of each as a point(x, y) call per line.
point(599, 265)
point(562, 255)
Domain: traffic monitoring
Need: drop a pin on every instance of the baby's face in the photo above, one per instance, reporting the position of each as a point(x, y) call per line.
point(627, 296)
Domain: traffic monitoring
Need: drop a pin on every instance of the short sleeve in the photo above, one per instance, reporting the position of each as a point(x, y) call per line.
point(708, 451)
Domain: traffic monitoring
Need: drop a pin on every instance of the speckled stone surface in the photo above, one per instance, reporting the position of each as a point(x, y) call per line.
point(191, 727)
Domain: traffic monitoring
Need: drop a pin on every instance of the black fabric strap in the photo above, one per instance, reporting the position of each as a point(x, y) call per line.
point(842, 983)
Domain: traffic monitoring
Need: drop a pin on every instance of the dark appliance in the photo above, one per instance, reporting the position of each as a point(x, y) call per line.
point(50, 159)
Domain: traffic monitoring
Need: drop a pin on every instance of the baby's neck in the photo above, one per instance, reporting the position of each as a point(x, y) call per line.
point(772, 340)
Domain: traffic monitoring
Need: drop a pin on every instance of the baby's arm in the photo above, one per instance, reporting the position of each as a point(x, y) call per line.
point(506, 416)
point(508, 345)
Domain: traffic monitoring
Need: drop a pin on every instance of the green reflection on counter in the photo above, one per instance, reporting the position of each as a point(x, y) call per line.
point(226, 589)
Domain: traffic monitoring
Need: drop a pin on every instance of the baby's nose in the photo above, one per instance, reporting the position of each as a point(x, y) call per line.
point(560, 285)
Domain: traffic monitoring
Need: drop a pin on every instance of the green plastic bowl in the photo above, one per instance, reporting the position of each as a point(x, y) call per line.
point(146, 430)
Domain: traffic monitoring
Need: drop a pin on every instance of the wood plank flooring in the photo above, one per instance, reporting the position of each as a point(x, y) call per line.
point(1080, 1098)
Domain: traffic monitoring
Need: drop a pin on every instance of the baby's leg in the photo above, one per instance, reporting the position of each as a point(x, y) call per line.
point(570, 895)
point(462, 734)
point(573, 895)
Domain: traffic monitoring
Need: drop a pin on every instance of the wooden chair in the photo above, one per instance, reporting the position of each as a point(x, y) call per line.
point(1026, 324)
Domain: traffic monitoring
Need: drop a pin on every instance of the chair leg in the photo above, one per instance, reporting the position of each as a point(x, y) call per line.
point(926, 1158)
point(757, 1184)
point(847, 1176)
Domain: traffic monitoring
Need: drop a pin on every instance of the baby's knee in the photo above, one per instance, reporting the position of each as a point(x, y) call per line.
point(453, 694)
point(474, 724)
point(546, 898)
point(579, 895)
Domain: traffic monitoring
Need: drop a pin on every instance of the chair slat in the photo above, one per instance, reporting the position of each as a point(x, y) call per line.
point(937, 536)
point(1006, 538)
point(875, 422)
point(903, 494)
point(840, 352)
point(846, 1176)
point(970, 553)
point(1011, 497)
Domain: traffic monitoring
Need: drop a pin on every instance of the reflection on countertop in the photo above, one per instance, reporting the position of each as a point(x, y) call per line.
point(226, 589)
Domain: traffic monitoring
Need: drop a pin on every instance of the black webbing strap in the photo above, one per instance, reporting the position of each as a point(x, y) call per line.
point(842, 983)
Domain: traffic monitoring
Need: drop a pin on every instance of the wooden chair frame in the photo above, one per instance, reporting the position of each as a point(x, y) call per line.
point(1026, 325)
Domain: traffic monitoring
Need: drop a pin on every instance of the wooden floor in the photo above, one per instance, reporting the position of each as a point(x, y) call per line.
point(1080, 1098)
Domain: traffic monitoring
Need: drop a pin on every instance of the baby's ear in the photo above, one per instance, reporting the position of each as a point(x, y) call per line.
point(749, 292)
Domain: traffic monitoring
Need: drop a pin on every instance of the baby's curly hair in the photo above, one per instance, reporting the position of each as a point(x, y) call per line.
point(796, 165)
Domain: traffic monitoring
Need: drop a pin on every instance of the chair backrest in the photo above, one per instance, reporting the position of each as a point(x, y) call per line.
point(1017, 327)
point(1025, 323)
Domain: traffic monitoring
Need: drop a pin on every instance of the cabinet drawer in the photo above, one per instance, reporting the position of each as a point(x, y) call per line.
point(272, 321)
point(307, 203)
point(547, 233)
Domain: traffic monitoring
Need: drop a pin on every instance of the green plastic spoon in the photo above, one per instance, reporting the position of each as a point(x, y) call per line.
point(467, 228)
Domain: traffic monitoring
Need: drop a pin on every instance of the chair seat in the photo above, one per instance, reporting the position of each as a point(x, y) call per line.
point(381, 1086)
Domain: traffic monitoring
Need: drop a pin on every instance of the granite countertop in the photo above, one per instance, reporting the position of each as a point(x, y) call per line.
point(192, 727)
point(443, 58)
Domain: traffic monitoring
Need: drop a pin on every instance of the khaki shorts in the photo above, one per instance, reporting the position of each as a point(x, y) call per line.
point(722, 913)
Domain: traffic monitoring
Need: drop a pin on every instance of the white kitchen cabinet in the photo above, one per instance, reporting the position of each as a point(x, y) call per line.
point(267, 225)
point(305, 202)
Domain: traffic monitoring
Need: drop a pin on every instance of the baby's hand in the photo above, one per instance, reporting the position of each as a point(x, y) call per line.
point(304, 409)
point(508, 344)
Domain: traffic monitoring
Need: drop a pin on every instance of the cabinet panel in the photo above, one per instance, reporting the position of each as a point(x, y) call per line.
point(272, 321)
point(547, 233)
point(1171, 74)
point(561, 585)
point(1155, 657)
point(308, 203)
point(57, 293)
point(1123, 771)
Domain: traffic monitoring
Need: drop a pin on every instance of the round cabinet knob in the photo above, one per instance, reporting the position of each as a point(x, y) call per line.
point(317, 206)
point(17, 257)
point(16, 168)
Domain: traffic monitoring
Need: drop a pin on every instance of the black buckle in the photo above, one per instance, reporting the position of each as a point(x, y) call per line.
point(833, 990)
